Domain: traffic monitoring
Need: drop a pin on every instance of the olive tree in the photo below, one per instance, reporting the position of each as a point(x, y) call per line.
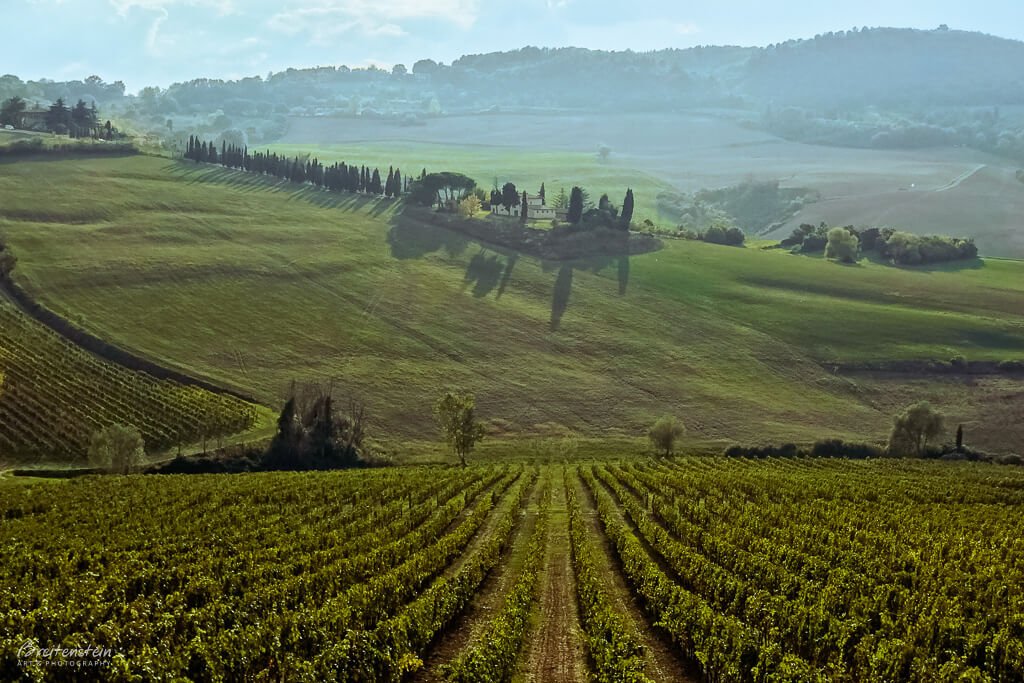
point(664, 433)
point(118, 449)
point(913, 429)
point(456, 417)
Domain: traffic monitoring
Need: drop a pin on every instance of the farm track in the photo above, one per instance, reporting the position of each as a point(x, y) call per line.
point(664, 663)
point(489, 598)
point(555, 652)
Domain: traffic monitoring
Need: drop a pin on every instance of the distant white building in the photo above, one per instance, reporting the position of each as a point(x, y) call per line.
point(537, 209)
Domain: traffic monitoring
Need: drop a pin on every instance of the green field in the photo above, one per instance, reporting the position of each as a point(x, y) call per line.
point(253, 283)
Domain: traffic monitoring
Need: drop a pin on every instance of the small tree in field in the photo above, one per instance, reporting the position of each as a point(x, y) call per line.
point(117, 449)
point(842, 245)
point(469, 206)
point(664, 433)
point(911, 431)
point(456, 416)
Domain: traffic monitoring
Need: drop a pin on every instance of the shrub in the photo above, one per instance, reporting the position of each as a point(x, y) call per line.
point(837, 448)
point(469, 206)
point(812, 243)
point(842, 245)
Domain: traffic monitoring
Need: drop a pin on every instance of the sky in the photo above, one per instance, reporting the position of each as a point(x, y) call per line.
point(158, 42)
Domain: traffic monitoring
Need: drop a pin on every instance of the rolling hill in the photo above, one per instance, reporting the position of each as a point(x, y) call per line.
point(253, 283)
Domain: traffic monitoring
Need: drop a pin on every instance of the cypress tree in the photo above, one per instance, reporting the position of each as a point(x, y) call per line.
point(523, 210)
point(627, 209)
point(398, 182)
point(575, 205)
point(375, 186)
point(389, 185)
point(542, 196)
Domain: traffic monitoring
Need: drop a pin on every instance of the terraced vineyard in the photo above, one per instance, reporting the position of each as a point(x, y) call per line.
point(789, 570)
point(55, 395)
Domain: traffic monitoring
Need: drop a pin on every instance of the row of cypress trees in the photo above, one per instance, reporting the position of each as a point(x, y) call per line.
point(338, 177)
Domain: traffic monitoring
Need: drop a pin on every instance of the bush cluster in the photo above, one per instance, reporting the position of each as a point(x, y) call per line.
point(897, 247)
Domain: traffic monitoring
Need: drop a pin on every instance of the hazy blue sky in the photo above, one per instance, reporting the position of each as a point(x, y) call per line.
point(156, 42)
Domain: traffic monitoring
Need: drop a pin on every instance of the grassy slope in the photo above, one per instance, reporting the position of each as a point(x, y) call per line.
point(254, 283)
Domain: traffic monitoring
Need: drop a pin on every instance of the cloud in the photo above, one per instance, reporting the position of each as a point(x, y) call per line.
point(687, 29)
point(325, 20)
point(223, 7)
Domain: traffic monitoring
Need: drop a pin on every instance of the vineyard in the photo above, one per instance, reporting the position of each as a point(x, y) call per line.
point(721, 570)
point(55, 395)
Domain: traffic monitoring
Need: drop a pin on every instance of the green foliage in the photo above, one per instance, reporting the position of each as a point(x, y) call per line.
point(627, 208)
point(842, 245)
point(751, 206)
point(575, 205)
point(906, 249)
point(456, 417)
point(913, 429)
point(727, 235)
point(664, 434)
point(118, 449)
point(616, 654)
point(493, 653)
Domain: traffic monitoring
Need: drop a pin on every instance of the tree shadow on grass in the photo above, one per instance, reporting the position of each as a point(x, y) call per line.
point(411, 238)
point(560, 295)
point(484, 272)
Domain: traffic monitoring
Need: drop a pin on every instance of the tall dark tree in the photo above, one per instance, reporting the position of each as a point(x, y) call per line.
point(398, 182)
point(389, 184)
point(604, 204)
point(627, 208)
point(12, 112)
point(524, 209)
point(575, 205)
point(543, 197)
point(509, 197)
point(58, 118)
point(83, 118)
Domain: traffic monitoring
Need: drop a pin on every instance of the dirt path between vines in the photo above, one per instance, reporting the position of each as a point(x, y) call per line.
point(664, 662)
point(489, 598)
point(554, 644)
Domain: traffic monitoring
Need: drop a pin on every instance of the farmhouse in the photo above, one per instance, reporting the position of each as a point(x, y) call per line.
point(536, 209)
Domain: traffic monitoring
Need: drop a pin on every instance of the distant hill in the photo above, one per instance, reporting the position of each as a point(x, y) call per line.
point(887, 67)
point(888, 87)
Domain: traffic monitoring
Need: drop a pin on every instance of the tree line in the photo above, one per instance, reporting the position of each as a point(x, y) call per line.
point(338, 177)
point(80, 121)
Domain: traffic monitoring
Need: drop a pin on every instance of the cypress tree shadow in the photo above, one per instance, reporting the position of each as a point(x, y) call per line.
point(560, 297)
point(510, 263)
point(623, 273)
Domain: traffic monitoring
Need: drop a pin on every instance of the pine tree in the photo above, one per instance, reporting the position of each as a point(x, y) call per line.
point(627, 209)
point(575, 205)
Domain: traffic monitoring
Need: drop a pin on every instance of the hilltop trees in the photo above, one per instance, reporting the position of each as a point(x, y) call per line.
point(441, 188)
point(58, 117)
point(509, 196)
point(456, 418)
point(12, 111)
point(627, 208)
point(575, 205)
